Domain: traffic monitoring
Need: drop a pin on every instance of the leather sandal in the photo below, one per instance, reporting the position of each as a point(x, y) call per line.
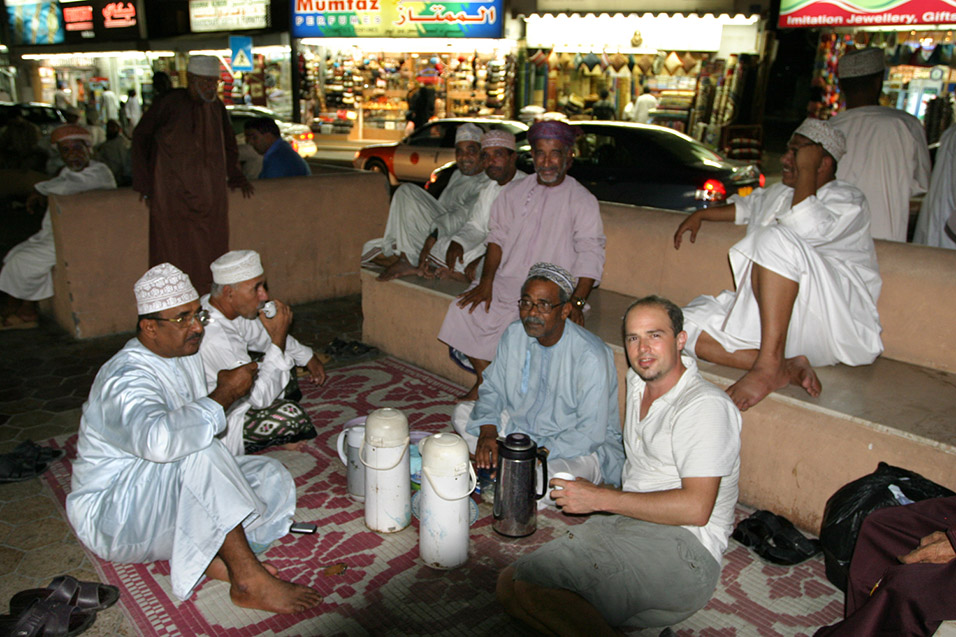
point(86, 596)
point(14, 468)
point(47, 618)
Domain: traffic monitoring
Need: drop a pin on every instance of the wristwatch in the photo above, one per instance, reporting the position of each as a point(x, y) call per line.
point(578, 302)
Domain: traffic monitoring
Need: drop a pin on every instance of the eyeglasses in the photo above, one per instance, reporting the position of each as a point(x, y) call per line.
point(201, 317)
point(544, 307)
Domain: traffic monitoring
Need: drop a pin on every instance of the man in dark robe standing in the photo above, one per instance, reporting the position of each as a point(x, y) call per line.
point(184, 156)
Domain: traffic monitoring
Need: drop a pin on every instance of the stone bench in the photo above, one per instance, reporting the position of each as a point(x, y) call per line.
point(796, 450)
point(307, 229)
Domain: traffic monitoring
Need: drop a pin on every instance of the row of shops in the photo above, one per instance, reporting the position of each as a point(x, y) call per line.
point(356, 67)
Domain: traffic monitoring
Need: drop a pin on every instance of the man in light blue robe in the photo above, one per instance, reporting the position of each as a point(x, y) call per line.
point(152, 481)
point(553, 380)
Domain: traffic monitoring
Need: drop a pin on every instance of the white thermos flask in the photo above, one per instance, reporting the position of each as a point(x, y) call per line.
point(447, 480)
point(387, 480)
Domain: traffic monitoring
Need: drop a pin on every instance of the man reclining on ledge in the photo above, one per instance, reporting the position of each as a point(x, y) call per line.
point(806, 276)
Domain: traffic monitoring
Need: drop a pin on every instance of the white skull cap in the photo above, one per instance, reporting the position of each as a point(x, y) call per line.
point(162, 287)
point(236, 266)
point(498, 139)
point(468, 132)
point(206, 65)
point(817, 130)
point(861, 62)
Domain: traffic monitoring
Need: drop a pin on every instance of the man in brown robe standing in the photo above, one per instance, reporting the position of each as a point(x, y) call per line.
point(184, 156)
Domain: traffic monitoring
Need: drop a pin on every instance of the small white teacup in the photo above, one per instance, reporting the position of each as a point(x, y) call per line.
point(561, 475)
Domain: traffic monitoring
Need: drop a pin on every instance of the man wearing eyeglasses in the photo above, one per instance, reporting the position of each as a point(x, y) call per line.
point(553, 380)
point(238, 325)
point(152, 481)
point(184, 156)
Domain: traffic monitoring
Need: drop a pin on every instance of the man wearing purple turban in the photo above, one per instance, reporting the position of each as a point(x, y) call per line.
point(553, 219)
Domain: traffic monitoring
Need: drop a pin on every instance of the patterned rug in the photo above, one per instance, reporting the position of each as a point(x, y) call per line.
point(385, 589)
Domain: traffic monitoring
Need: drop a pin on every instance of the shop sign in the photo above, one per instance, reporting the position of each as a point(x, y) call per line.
point(864, 13)
point(396, 19)
point(71, 21)
point(228, 15)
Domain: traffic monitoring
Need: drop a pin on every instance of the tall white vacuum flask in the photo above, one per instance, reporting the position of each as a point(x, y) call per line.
point(387, 479)
point(447, 480)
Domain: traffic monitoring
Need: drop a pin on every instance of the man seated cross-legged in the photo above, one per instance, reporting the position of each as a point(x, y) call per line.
point(152, 481)
point(553, 380)
point(656, 560)
point(806, 276)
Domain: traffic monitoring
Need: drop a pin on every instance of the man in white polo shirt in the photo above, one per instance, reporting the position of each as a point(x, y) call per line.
point(657, 560)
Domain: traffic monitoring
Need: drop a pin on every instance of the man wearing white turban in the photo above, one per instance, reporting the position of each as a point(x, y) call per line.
point(153, 481)
point(806, 276)
point(26, 276)
point(886, 152)
point(414, 214)
point(238, 324)
point(184, 156)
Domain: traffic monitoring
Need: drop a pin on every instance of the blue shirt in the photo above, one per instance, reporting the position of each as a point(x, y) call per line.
point(282, 161)
point(563, 396)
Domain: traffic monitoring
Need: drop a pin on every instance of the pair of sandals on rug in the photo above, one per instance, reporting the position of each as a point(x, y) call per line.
point(351, 351)
point(26, 461)
point(67, 607)
point(774, 539)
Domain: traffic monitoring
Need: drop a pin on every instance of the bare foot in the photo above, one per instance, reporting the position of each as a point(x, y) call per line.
point(398, 269)
point(471, 395)
point(263, 591)
point(293, 446)
point(755, 385)
point(452, 275)
point(802, 375)
point(217, 569)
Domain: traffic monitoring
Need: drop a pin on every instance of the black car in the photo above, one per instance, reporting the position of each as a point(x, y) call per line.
point(647, 165)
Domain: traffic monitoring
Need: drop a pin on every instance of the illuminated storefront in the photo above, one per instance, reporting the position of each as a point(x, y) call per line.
point(361, 60)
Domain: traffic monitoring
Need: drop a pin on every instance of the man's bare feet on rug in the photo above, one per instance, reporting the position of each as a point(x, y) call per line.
point(293, 446)
point(263, 591)
point(397, 270)
point(452, 275)
point(217, 569)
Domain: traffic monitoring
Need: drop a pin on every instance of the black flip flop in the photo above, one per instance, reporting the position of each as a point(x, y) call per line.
point(14, 468)
point(47, 618)
point(87, 596)
point(775, 539)
point(32, 452)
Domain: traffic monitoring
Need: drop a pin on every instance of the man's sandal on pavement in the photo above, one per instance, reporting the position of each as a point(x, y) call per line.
point(47, 618)
point(87, 596)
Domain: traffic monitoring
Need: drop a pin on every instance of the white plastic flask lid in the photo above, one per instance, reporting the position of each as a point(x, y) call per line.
point(386, 427)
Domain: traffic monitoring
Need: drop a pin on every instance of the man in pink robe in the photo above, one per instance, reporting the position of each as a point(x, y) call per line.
point(551, 218)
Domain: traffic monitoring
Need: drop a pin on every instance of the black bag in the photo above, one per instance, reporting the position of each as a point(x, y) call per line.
point(847, 508)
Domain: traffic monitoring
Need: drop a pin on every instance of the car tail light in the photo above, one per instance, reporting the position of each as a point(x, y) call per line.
point(306, 136)
point(712, 190)
point(762, 181)
point(295, 145)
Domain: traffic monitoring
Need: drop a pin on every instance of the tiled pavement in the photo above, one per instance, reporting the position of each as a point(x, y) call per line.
point(45, 375)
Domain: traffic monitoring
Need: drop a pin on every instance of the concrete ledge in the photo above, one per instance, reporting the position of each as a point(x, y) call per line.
point(307, 229)
point(796, 450)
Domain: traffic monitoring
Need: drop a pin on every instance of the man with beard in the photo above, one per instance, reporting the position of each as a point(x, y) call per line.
point(184, 156)
point(551, 218)
point(552, 380)
point(152, 481)
point(238, 325)
point(26, 276)
point(656, 560)
point(415, 214)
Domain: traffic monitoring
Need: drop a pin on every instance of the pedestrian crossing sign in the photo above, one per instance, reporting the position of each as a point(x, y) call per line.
point(241, 46)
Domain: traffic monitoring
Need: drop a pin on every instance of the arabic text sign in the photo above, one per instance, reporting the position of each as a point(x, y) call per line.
point(864, 13)
point(396, 19)
point(228, 15)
